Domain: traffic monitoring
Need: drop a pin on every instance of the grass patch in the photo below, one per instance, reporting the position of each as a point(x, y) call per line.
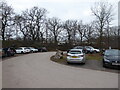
point(94, 56)
point(62, 60)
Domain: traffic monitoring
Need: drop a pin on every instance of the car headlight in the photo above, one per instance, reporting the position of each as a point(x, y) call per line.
point(106, 60)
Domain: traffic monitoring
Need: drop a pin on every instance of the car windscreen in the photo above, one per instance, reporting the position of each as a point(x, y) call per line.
point(27, 48)
point(19, 48)
point(112, 52)
point(89, 47)
point(75, 52)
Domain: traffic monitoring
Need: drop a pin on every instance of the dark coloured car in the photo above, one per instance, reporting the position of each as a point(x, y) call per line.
point(8, 52)
point(42, 49)
point(111, 58)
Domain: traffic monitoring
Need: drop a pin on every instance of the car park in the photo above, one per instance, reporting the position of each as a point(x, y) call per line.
point(111, 58)
point(23, 50)
point(90, 49)
point(76, 56)
point(32, 49)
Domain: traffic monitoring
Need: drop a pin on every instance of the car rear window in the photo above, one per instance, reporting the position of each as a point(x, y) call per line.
point(75, 52)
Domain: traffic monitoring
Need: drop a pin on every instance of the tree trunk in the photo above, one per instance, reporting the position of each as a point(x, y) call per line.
point(3, 32)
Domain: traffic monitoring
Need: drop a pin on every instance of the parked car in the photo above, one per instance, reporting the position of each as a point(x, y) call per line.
point(12, 48)
point(90, 49)
point(76, 56)
point(6, 52)
point(42, 49)
point(23, 50)
point(111, 58)
point(80, 47)
point(32, 49)
point(68, 50)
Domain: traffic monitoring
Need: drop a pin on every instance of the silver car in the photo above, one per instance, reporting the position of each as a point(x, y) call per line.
point(76, 56)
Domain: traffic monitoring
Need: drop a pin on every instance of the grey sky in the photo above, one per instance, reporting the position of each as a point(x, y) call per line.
point(119, 14)
point(63, 9)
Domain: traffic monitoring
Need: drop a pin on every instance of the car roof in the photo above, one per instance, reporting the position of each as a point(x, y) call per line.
point(88, 46)
point(22, 47)
point(78, 47)
point(75, 49)
point(112, 50)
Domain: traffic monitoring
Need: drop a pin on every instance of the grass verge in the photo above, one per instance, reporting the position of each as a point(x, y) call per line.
point(96, 56)
point(61, 61)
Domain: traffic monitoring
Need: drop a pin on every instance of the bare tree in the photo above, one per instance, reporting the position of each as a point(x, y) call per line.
point(7, 15)
point(71, 27)
point(103, 12)
point(111, 37)
point(54, 25)
point(81, 31)
point(35, 20)
point(22, 26)
point(89, 32)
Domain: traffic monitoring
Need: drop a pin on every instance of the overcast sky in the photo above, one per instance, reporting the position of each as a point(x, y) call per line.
point(64, 9)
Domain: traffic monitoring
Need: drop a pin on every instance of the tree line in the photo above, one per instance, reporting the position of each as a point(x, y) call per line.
point(33, 25)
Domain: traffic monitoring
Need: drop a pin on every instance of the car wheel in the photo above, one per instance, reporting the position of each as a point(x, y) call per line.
point(91, 52)
point(83, 63)
point(22, 52)
point(104, 65)
point(8, 54)
point(12, 54)
point(95, 51)
point(68, 62)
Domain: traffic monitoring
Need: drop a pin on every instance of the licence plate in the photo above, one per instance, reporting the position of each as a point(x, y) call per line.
point(74, 56)
point(115, 63)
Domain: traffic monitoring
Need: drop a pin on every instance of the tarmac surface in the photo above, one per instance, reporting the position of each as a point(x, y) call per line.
point(0, 73)
point(38, 71)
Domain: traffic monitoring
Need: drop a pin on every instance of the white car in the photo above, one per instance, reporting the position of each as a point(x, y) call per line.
point(96, 50)
point(33, 49)
point(76, 56)
point(22, 50)
point(90, 49)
